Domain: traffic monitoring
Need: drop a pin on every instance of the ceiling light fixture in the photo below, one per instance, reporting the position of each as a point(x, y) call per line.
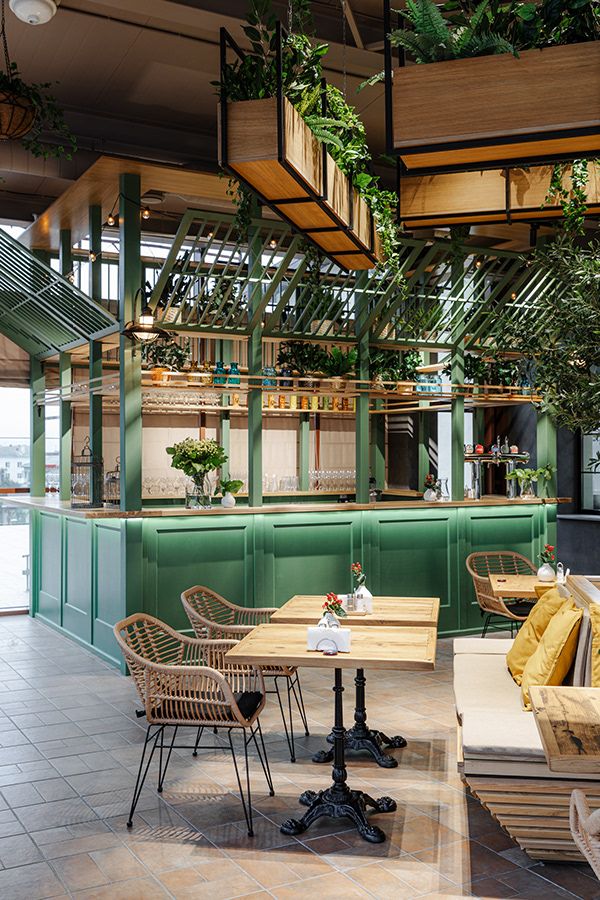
point(145, 213)
point(34, 12)
point(143, 329)
point(93, 256)
point(272, 244)
point(110, 219)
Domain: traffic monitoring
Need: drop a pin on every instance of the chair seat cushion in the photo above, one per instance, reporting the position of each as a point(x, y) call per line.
point(510, 736)
point(483, 682)
point(248, 702)
point(482, 645)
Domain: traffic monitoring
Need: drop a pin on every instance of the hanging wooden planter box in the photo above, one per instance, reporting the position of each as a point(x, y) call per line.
point(543, 105)
point(493, 195)
point(278, 156)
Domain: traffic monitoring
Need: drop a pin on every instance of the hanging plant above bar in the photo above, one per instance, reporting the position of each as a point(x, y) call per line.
point(297, 144)
point(493, 85)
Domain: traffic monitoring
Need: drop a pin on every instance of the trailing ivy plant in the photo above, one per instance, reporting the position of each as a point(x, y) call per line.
point(573, 200)
point(255, 77)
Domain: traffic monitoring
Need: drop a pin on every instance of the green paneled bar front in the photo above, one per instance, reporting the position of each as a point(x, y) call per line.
point(92, 569)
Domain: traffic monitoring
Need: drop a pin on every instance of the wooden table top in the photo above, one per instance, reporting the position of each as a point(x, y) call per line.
point(523, 586)
point(306, 609)
point(568, 720)
point(372, 647)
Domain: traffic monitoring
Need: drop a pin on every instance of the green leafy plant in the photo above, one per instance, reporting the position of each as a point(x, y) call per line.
point(434, 38)
point(594, 463)
point(168, 354)
point(48, 117)
point(301, 357)
point(197, 458)
point(338, 362)
point(572, 198)
point(475, 369)
point(409, 361)
point(230, 487)
point(385, 364)
point(255, 77)
point(529, 476)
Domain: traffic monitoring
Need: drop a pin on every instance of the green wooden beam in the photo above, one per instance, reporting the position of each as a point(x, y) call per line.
point(547, 452)
point(303, 451)
point(457, 376)
point(37, 447)
point(378, 446)
point(65, 429)
point(95, 347)
point(255, 474)
point(130, 384)
point(362, 401)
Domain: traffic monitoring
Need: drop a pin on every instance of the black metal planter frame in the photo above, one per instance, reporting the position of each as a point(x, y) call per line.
point(544, 159)
point(227, 42)
point(155, 737)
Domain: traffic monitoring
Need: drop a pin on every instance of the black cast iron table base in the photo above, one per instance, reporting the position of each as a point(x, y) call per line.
point(339, 801)
point(361, 737)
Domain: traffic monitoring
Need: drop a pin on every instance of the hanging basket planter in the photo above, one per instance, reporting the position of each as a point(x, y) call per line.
point(17, 116)
point(268, 146)
point(496, 110)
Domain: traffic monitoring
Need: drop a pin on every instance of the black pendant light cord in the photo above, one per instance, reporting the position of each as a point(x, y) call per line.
point(4, 41)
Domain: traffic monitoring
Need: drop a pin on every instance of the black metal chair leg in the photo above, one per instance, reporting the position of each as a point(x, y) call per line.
point(486, 624)
point(289, 733)
point(300, 702)
point(163, 771)
point(247, 808)
point(198, 736)
point(264, 760)
point(141, 778)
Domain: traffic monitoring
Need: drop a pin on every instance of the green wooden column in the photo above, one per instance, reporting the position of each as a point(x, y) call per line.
point(37, 448)
point(378, 441)
point(303, 451)
point(225, 423)
point(65, 440)
point(130, 387)
point(95, 347)
point(362, 401)
point(547, 453)
point(255, 493)
point(423, 438)
point(65, 258)
point(457, 376)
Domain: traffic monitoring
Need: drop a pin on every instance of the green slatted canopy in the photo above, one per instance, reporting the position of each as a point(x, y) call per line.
point(40, 310)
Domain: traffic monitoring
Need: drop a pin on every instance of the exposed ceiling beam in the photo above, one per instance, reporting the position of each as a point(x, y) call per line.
point(352, 23)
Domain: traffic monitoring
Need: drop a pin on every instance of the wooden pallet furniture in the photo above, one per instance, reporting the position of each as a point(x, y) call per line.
point(493, 111)
point(501, 755)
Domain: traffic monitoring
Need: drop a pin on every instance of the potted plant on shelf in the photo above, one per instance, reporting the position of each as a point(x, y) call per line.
point(384, 365)
point(470, 51)
point(165, 356)
point(197, 459)
point(528, 477)
point(408, 371)
point(303, 358)
point(228, 489)
point(337, 364)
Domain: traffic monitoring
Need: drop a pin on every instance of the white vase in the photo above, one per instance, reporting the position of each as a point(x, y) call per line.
point(363, 599)
point(228, 500)
point(546, 573)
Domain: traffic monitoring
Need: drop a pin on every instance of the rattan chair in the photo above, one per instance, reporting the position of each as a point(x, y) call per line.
point(498, 562)
point(585, 828)
point(186, 682)
point(212, 616)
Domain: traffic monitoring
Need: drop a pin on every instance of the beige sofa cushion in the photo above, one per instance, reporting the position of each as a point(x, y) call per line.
point(483, 682)
point(513, 735)
point(482, 645)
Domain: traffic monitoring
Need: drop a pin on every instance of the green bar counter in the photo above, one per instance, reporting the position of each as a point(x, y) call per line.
point(94, 567)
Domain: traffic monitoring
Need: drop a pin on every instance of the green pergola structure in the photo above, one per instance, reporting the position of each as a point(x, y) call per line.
point(449, 303)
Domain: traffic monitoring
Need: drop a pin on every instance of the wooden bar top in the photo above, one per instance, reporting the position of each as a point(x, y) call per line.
point(372, 648)
point(568, 720)
point(51, 503)
point(306, 609)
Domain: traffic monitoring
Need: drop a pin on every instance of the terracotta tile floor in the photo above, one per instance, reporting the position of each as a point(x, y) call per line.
point(69, 750)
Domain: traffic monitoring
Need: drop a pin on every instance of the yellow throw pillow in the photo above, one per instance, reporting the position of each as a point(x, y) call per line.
point(531, 631)
point(555, 652)
point(594, 609)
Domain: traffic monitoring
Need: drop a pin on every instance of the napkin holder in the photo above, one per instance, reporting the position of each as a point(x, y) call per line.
point(321, 638)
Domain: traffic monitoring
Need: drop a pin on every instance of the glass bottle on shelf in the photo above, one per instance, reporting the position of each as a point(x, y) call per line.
point(234, 373)
point(293, 401)
point(269, 376)
point(220, 376)
point(286, 375)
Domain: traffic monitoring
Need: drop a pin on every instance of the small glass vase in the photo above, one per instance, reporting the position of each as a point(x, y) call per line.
point(527, 490)
point(198, 494)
